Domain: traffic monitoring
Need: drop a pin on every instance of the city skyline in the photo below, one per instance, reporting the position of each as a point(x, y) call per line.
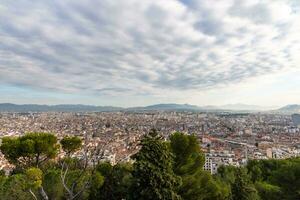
point(137, 53)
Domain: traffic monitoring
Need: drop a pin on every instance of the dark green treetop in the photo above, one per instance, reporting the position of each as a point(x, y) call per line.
point(31, 149)
point(242, 188)
point(188, 155)
point(197, 184)
point(153, 176)
point(118, 180)
point(71, 144)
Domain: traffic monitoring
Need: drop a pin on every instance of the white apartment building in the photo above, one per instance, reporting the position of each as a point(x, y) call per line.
point(214, 160)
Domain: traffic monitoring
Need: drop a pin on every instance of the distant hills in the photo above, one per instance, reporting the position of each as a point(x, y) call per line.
point(171, 106)
point(8, 107)
point(229, 107)
point(244, 107)
point(293, 108)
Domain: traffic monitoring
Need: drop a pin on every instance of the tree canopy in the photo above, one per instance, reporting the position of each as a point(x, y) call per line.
point(153, 176)
point(161, 169)
point(71, 144)
point(31, 149)
point(197, 184)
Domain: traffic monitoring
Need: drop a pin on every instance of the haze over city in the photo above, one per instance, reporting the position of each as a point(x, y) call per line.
point(136, 53)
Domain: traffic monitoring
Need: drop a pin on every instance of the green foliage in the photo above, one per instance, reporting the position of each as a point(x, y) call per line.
point(80, 179)
point(188, 156)
point(273, 179)
point(96, 184)
point(14, 187)
point(282, 174)
point(52, 184)
point(34, 178)
point(287, 177)
point(255, 170)
point(189, 161)
point(71, 144)
point(2, 173)
point(226, 174)
point(153, 176)
point(268, 192)
point(105, 168)
point(162, 170)
point(262, 170)
point(117, 182)
point(31, 149)
point(202, 186)
point(242, 188)
point(10, 147)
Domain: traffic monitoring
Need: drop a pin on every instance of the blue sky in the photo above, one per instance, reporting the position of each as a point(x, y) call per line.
point(133, 52)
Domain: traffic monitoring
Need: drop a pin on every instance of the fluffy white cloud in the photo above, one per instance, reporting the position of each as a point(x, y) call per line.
point(112, 47)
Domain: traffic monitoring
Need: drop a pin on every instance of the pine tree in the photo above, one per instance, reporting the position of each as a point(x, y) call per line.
point(153, 176)
point(242, 188)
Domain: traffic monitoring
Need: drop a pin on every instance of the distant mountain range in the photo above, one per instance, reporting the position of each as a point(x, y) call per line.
point(171, 106)
point(294, 108)
point(8, 107)
point(240, 107)
point(229, 107)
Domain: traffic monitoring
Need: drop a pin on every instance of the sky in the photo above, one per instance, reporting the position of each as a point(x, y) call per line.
point(141, 52)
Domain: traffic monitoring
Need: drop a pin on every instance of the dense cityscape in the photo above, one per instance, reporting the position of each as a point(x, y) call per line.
point(225, 138)
point(150, 100)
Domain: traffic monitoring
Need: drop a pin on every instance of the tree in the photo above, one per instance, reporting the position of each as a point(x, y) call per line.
point(117, 182)
point(76, 182)
point(31, 149)
point(153, 176)
point(189, 160)
point(76, 175)
point(188, 156)
point(52, 183)
point(268, 192)
point(71, 144)
point(254, 170)
point(105, 168)
point(242, 187)
point(226, 174)
point(202, 186)
point(14, 187)
point(276, 179)
point(34, 178)
point(97, 182)
point(287, 177)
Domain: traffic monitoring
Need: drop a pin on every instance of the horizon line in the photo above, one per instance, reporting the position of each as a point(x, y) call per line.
point(207, 105)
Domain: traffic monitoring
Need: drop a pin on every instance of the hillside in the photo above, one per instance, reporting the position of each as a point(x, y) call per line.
point(293, 108)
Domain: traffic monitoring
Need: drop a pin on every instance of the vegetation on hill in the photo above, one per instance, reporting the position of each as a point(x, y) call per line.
point(162, 169)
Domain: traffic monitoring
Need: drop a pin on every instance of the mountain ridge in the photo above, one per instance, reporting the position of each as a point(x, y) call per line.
point(10, 107)
point(291, 108)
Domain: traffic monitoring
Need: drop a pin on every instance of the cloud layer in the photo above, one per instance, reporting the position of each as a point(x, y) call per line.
point(112, 47)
